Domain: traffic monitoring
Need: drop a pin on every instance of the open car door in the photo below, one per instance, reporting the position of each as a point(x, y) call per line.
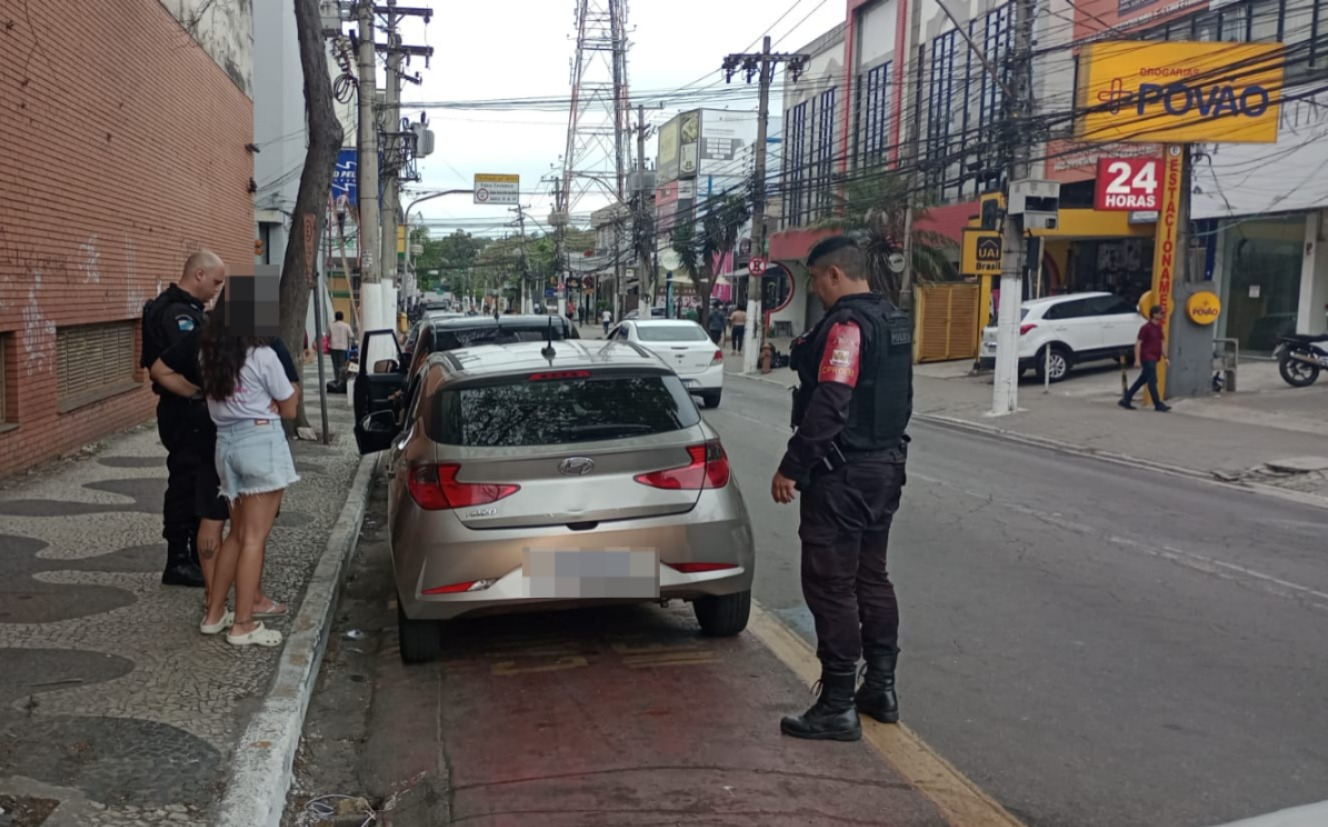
point(380, 377)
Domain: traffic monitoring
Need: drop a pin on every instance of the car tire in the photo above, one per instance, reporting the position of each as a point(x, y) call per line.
point(421, 641)
point(711, 398)
point(1062, 359)
point(723, 615)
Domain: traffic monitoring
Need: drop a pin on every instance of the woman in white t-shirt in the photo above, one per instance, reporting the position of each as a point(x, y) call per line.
point(248, 395)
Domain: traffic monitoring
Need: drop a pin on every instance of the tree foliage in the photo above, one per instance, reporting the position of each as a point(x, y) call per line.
point(702, 245)
point(874, 206)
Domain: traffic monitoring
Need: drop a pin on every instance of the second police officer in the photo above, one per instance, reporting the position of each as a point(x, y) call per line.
point(167, 319)
point(847, 457)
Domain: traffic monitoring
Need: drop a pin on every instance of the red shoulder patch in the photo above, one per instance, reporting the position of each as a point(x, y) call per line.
point(842, 357)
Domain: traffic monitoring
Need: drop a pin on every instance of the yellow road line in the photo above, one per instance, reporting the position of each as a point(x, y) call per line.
point(960, 801)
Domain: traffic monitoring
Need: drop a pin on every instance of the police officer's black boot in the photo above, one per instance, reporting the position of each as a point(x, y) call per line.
point(833, 717)
point(876, 697)
point(182, 567)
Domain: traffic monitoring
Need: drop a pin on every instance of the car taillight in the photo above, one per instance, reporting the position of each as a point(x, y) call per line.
point(458, 588)
point(1024, 328)
point(698, 568)
point(719, 357)
point(558, 374)
point(435, 488)
point(709, 468)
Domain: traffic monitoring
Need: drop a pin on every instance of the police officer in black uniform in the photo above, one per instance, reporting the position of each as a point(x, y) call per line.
point(846, 457)
point(166, 319)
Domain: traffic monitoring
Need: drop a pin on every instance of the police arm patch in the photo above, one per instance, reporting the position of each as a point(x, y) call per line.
point(842, 357)
point(185, 322)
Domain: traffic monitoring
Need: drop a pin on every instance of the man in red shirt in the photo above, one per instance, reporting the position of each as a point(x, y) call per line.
point(1147, 353)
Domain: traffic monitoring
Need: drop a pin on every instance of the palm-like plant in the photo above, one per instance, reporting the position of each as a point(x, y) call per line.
point(874, 206)
point(699, 253)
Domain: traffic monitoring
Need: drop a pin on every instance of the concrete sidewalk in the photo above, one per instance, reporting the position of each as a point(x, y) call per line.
point(114, 710)
point(1231, 436)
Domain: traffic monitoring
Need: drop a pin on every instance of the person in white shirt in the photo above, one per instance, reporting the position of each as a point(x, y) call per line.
point(339, 337)
point(246, 390)
point(607, 318)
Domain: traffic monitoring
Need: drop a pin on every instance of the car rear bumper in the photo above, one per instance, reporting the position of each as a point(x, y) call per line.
point(712, 379)
point(716, 531)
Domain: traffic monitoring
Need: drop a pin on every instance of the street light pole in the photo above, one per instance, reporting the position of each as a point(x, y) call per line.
point(409, 257)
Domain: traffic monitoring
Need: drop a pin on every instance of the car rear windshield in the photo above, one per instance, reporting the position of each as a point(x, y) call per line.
point(448, 339)
point(561, 411)
point(671, 333)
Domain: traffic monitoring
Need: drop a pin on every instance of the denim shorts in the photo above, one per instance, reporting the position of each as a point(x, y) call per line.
point(253, 458)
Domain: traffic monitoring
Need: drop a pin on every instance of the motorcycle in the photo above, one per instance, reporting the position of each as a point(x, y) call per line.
point(1300, 358)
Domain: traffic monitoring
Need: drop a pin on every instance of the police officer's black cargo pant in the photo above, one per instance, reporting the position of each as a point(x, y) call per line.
point(177, 425)
point(845, 530)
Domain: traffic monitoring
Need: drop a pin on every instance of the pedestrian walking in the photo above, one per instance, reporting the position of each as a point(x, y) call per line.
point(1147, 353)
point(178, 371)
point(607, 318)
point(716, 323)
point(847, 458)
point(738, 320)
point(340, 335)
point(169, 317)
point(245, 384)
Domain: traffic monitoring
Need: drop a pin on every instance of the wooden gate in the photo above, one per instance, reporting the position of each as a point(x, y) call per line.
point(945, 325)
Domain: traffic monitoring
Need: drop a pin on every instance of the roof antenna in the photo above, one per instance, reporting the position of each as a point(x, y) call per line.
point(548, 352)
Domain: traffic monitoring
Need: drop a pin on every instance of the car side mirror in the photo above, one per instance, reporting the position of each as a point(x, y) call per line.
point(386, 366)
point(376, 431)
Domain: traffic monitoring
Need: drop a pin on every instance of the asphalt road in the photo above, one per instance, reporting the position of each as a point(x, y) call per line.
point(1091, 645)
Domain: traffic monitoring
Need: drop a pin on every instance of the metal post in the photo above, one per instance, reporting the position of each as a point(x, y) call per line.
point(370, 276)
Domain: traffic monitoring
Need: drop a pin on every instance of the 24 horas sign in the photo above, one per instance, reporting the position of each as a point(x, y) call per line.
point(1170, 92)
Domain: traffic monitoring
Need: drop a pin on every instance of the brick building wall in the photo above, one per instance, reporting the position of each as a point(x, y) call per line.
point(122, 150)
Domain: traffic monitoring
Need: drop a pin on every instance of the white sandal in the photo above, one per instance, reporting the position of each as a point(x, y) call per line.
point(259, 636)
point(227, 618)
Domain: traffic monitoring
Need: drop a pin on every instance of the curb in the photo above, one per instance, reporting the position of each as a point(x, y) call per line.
point(262, 763)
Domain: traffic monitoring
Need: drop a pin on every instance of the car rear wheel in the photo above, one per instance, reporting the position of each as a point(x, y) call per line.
point(1058, 367)
point(711, 398)
point(723, 615)
point(421, 640)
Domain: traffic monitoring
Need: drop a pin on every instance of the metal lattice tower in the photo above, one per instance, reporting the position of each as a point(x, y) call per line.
point(598, 154)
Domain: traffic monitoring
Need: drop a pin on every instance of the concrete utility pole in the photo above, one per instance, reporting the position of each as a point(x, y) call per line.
point(391, 116)
point(761, 64)
point(371, 296)
point(1005, 388)
point(527, 304)
point(1189, 345)
point(644, 232)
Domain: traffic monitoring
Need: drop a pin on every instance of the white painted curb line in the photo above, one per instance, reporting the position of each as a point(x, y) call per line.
point(261, 766)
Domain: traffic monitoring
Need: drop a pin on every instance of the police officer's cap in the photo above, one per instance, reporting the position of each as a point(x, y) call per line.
point(830, 246)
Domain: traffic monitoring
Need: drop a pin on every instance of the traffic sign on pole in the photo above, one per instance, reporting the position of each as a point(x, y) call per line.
point(756, 266)
point(497, 189)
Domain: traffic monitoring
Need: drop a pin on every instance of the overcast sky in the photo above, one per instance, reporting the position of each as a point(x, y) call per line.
point(524, 48)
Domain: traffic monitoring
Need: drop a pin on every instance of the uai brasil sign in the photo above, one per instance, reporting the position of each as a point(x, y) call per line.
point(1169, 92)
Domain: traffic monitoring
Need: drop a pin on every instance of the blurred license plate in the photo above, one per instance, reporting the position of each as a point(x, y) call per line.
point(590, 574)
point(990, 347)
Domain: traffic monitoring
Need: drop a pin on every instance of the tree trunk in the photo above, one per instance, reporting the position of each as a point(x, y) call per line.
point(307, 220)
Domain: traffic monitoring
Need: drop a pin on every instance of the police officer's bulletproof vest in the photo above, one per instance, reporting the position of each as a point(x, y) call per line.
point(883, 399)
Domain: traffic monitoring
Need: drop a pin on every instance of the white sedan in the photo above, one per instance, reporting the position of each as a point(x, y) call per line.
point(683, 346)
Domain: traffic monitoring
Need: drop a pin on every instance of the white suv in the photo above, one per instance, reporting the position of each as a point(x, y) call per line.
point(1080, 327)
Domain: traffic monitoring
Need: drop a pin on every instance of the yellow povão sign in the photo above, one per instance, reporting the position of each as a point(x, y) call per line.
point(1203, 307)
point(1180, 92)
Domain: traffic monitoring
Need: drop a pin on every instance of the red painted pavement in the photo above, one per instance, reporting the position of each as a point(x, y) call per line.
point(629, 717)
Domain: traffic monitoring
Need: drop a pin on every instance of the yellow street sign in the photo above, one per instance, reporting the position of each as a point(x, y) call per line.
point(1203, 307)
point(1165, 248)
point(1180, 92)
point(981, 253)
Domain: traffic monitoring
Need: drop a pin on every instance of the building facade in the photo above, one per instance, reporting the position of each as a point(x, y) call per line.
point(126, 130)
point(917, 93)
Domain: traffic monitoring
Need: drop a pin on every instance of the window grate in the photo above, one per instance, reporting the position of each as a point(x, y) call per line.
point(93, 358)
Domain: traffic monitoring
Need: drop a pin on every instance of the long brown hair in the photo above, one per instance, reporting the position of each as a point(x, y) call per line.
point(222, 353)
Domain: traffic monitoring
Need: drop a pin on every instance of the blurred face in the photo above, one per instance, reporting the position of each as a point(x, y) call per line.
point(212, 280)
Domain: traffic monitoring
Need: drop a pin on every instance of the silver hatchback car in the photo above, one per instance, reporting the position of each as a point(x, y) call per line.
point(543, 475)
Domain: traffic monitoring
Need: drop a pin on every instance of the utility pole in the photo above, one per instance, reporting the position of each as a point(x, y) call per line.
point(761, 64)
point(644, 234)
point(1005, 387)
point(391, 116)
point(371, 297)
point(527, 305)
